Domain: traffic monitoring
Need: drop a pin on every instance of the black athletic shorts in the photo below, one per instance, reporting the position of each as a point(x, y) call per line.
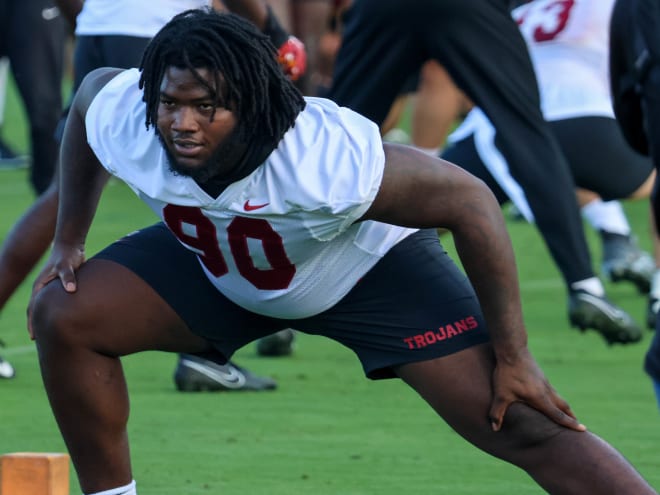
point(599, 157)
point(414, 305)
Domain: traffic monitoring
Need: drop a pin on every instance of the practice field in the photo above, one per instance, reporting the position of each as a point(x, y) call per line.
point(327, 430)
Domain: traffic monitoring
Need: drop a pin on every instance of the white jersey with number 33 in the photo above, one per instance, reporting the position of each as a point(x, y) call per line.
point(568, 41)
point(282, 241)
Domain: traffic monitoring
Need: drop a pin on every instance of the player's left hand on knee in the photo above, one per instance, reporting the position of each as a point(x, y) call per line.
point(521, 380)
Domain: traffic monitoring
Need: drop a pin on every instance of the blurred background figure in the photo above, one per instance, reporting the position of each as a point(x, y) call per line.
point(32, 37)
point(480, 46)
point(8, 157)
point(569, 47)
point(635, 84)
point(32, 42)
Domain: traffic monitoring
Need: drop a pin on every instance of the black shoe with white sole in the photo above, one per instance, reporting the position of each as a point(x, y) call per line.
point(587, 311)
point(195, 373)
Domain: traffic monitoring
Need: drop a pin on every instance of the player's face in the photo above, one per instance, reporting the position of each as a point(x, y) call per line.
point(196, 133)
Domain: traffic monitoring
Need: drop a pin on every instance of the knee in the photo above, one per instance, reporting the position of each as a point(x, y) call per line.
point(55, 319)
point(526, 432)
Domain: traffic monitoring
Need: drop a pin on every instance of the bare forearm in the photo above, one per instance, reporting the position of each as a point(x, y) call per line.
point(493, 274)
point(81, 182)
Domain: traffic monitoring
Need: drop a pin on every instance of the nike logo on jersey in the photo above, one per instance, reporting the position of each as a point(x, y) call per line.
point(248, 207)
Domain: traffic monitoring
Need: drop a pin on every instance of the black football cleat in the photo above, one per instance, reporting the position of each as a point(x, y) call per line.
point(197, 374)
point(587, 311)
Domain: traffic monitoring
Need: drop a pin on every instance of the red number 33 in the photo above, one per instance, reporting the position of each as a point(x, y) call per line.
point(205, 242)
point(558, 10)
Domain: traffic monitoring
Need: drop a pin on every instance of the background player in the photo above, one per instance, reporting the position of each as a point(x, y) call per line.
point(635, 82)
point(569, 46)
point(480, 46)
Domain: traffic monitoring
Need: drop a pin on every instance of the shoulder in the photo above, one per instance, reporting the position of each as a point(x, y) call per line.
point(321, 113)
point(331, 160)
point(92, 85)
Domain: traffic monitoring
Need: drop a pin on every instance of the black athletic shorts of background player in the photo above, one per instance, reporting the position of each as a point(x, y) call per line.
point(600, 158)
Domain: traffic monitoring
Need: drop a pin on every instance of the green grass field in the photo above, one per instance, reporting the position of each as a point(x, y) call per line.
point(327, 430)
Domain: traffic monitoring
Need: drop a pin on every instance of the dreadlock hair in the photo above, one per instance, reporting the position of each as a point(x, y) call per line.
point(243, 61)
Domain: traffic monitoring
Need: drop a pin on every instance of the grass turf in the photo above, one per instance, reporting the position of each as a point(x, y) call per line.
point(327, 430)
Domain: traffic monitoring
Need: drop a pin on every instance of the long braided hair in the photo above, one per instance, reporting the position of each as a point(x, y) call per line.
point(248, 77)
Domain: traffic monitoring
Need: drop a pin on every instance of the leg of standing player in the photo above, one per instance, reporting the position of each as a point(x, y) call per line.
point(36, 52)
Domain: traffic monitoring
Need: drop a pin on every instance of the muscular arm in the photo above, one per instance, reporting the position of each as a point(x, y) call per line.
point(421, 191)
point(81, 182)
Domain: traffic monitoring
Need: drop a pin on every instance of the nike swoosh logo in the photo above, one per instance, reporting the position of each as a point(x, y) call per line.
point(232, 378)
point(248, 207)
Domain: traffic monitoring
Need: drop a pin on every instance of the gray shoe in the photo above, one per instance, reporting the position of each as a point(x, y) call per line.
point(623, 260)
point(614, 324)
point(197, 374)
point(277, 344)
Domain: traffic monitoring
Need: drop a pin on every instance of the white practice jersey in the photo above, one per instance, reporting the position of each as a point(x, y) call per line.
point(568, 41)
point(141, 18)
point(282, 241)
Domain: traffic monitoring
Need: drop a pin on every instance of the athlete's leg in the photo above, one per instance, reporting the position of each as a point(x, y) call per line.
point(80, 338)
point(473, 48)
point(378, 54)
point(434, 337)
point(26, 242)
point(36, 52)
point(458, 387)
point(438, 105)
point(601, 160)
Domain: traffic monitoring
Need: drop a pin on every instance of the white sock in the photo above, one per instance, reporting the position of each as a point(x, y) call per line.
point(122, 490)
point(591, 285)
point(606, 215)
